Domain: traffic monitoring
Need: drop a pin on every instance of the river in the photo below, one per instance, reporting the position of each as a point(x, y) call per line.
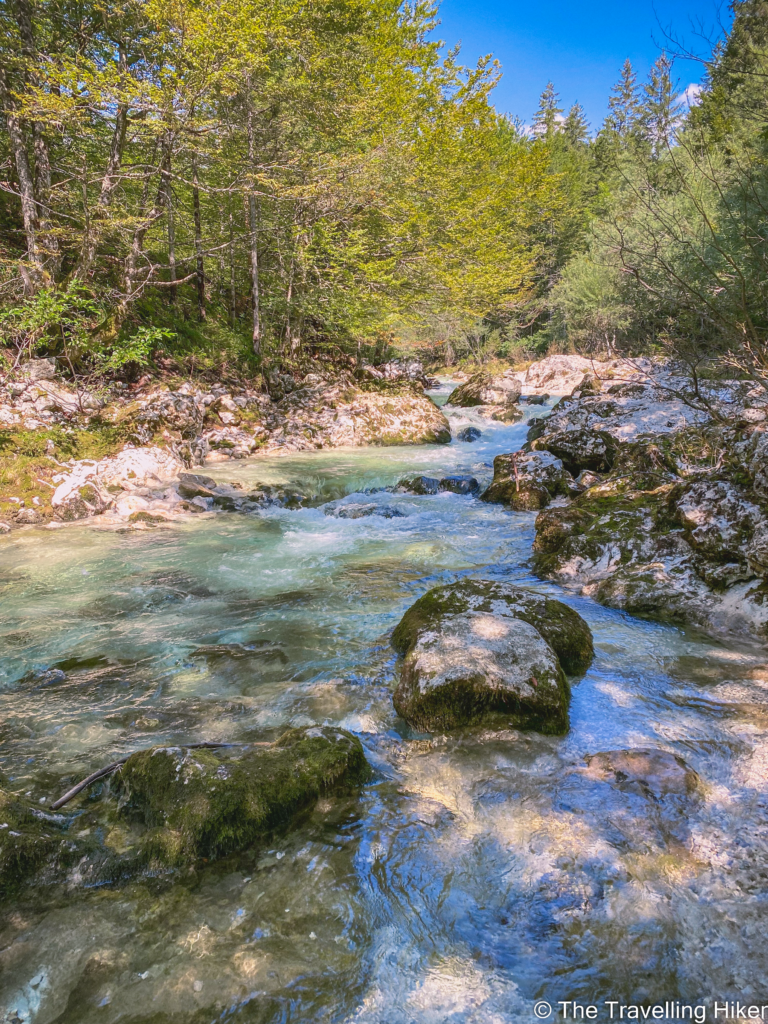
point(474, 875)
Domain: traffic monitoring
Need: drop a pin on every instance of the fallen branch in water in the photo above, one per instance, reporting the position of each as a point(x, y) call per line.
point(108, 769)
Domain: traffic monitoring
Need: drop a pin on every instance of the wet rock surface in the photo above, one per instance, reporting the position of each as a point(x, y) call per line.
point(485, 389)
point(166, 807)
point(207, 803)
point(469, 434)
point(527, 481)
point(478, 650)
point(653, 773)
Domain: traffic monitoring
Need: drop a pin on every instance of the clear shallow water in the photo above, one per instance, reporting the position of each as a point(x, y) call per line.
point(474, 875)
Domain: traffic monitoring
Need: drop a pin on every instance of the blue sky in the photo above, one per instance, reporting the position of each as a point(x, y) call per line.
point(580, 45)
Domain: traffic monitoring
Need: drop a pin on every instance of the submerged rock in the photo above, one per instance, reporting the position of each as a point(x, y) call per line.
point(527, 481)
point(469, 434)
point(361, 511)
point(459, 484)
point(176, 805)
point(418, 485)
point(476, 649)
point(654, 773)
point(210, 802)
point(30, 839)
point(486, 389)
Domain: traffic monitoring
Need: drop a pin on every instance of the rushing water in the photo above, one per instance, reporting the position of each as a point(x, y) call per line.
point(474, 874)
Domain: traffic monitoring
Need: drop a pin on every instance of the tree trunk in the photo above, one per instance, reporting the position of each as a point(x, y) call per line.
point(34, 275)
point(168, 194)
point(144, 223)
point(108, 182)
point(288, 299)
point(42, 169)
point(232, 292)
point(253, 225)
point(200, 268)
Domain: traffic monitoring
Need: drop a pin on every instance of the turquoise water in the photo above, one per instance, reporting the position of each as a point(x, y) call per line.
point(474, 875)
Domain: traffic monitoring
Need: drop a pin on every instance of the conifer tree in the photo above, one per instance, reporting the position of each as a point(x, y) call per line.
point(549, 116)
point(660, 110)
point(576, 126)
point(623, 106)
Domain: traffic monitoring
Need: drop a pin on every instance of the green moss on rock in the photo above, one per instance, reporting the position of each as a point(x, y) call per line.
point(27, 841)
point(210, 802)
point(563, 628)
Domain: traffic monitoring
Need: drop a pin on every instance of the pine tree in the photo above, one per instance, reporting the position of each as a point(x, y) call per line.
point(623, 106)
point(660, 109)
point(576, 126)
point(548, 118)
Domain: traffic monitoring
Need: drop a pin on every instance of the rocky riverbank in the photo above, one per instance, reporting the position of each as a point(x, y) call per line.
point(654, 500)
point(69, 455)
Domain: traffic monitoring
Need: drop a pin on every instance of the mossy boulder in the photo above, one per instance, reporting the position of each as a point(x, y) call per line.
point(526, 481)
point(580, 449)
point(477, 649)
point(419, 485)
point(486, 389)
point(209, 802)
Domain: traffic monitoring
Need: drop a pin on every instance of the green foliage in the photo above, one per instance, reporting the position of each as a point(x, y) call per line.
point(137, 348)
point(97, 441)
point(296, 176)
point(677, 257)
point(55, 319)
point(226, 185)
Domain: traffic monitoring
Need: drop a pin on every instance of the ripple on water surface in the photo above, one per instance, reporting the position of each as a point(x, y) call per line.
point(474, 874)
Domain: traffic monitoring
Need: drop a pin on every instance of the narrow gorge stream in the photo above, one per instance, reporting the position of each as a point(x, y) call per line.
point(474, 874)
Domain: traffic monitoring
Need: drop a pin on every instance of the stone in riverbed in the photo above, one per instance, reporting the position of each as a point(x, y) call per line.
point(459, 484)
point(526, 481)
point(469, 434)
point(195, 485)
point(654, 773)
point(486, 389)
point(29, 517)
point(580, 449)
point(362, 511)
point(419, 485)
point(209, 802)
point(478, 649)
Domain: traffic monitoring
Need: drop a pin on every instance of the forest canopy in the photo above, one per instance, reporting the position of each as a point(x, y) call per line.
point(256, 180)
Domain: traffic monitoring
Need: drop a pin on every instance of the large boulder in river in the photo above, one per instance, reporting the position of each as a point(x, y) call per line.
point(477, 649)
point(580, 449)
point(486, 389)
point(527, 481)
point(209, 802)
point(343, 412)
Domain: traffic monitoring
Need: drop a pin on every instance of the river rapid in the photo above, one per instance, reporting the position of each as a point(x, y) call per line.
point(475, 874)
